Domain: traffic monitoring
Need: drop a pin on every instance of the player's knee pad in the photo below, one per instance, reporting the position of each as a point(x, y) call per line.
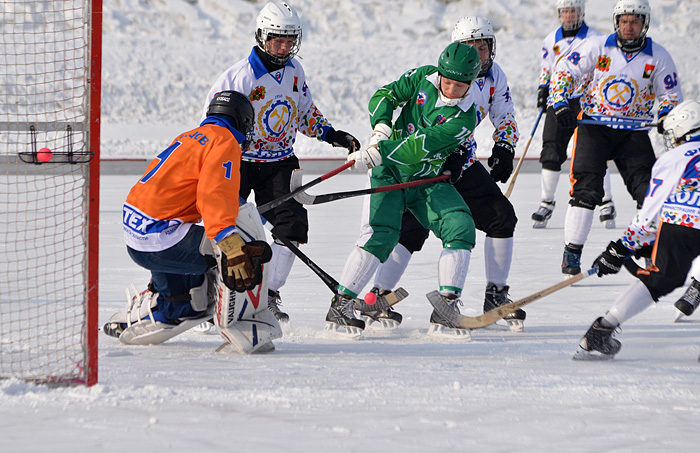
point(501, 223)
point(585, 201)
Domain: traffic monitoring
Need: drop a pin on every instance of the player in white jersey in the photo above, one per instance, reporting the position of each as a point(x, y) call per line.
point(627, 75)
point(669, 220)
point(492, 211)
point(276, 85)
point(555, 139)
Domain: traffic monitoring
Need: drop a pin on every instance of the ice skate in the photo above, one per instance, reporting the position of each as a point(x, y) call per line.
point(608, 214)
point(440, 327)
point(388, 319)
point(274, 301)
point(689, 301)
point(598, 343)
point(341, 317)
point(543, 214)
point(571, 261)
point(495, 298)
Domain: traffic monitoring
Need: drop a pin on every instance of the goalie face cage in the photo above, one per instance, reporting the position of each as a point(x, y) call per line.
point(50, 62)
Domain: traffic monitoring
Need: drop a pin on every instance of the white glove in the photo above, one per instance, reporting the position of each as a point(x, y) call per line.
point(364, 160)
point(381, 132)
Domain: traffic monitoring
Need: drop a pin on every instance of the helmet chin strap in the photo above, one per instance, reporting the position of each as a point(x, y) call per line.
point(448, 101)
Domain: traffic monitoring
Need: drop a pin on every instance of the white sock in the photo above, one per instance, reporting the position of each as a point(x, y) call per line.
point(607, 195)
point(280, 266)
point(549, 181)
point(498, 255)
point(577, 225)
point(390, 271)
point(631, 303)
point(452, 270)
point(358, 270)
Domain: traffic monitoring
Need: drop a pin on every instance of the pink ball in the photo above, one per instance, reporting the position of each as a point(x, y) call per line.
point(370, 298)
point(44, 155)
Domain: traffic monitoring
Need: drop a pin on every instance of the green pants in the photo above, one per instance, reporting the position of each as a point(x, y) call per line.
point(437, 206)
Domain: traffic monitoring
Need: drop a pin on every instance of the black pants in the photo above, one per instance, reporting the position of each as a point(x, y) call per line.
point(269, 181)
point(594, 147)
point(491, 210)
point(555, 139)
point(674, 251)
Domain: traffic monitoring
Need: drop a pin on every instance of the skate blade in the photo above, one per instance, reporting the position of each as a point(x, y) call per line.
point(679, 316)
point(515, 325)
point(445, 333)
point(610, 224)
point(591, 356)
point(229, 348)
point(380, 324)
point(343, 331)
point(540, 224)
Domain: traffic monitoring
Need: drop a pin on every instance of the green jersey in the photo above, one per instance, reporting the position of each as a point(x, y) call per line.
point(426, 131)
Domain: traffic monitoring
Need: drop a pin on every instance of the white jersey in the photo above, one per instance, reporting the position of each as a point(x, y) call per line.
point(673, 195)
point(622, 86)
point(491, 96)
point(555, 46)
point(283, 105)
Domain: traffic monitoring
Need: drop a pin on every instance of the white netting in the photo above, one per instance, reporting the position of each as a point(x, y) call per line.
point(44, 88)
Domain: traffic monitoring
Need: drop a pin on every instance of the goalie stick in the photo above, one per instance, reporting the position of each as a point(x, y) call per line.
point(306, 199)
point(382, 303)
point(498, 313)
point(274, 203)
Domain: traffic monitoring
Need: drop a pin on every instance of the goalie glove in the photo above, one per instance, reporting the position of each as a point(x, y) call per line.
point(342, 139)
point(610, 261)
point(241, 262)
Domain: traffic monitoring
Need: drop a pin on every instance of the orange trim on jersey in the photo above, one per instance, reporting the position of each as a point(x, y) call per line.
point(652, 267)
point(572, 180)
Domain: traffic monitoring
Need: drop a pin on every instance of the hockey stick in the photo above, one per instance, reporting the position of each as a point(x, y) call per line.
point(306, 199)
point(619, 123)
point(274, 203)
point(522, 156)
point(382, 303)
point(498, 313)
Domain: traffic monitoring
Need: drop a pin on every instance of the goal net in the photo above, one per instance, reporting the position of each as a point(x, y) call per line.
point(49, 100)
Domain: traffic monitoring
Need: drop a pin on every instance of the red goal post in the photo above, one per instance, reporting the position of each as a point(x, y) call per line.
point(50, 79)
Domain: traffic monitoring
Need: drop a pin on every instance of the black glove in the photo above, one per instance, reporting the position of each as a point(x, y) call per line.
point(565, 117)
point(660, 125)
point(342, 139)
point(501, 161)
point(455, 164)
point(542, 95)
point(610, 261)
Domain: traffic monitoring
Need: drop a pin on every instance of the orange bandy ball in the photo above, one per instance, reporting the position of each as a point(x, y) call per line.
point(44, 155)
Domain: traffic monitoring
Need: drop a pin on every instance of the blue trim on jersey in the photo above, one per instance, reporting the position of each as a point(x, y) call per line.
point(259, 68)
point(240, 138)
point(226, 232)
point(581, 33)
point(611, 41)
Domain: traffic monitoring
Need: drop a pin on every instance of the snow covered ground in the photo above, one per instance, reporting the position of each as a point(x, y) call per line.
point(389, 391)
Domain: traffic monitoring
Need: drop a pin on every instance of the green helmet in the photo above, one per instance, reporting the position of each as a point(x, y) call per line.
point(459, 62)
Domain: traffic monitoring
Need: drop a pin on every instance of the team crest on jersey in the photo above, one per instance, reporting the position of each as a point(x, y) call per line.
point(275, 117)
point(480, 82)
point(618, 94)
point(556, 49)
point(410, 128)
point(439, 120)
point(421, 98)
point(295, 88)
point(257, 94)
point(648, 70)
point(603, 63)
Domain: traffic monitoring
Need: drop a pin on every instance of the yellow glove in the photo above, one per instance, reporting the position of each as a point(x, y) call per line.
point(241, 262)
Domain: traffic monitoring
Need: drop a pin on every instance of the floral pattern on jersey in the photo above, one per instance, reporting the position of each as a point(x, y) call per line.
point(638, 236)
point(313, 123)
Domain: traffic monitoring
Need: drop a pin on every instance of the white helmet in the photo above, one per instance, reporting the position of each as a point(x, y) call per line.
point(579, 6)
point(473, 28)
point(682, 123)
point(278, 19)
point(639, 8)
